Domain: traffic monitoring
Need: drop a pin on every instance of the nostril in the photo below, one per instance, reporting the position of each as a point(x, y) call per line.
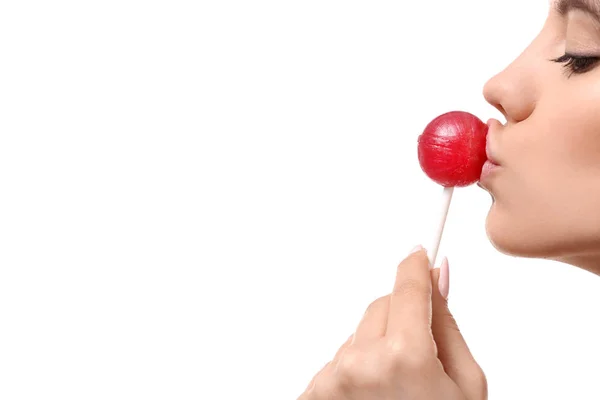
point(495, 93)
point(500, 108)
point(493, 101)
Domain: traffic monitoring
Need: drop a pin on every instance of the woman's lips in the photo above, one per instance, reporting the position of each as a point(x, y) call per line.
point(488, 168)
point(492, 123)
point(491, 164)
point(489, 154)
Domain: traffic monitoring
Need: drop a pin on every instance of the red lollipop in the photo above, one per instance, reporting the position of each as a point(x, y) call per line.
point(452, 149)
point(452, 153)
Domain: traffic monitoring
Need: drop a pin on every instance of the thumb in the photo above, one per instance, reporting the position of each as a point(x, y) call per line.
point(453, 352)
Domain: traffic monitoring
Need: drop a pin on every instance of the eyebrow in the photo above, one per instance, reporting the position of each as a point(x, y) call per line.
point(591, 7)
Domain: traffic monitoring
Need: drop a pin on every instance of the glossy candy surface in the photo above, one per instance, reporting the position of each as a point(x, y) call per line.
point(452, 149)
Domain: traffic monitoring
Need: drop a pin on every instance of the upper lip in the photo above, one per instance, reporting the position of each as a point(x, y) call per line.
point(488, 146)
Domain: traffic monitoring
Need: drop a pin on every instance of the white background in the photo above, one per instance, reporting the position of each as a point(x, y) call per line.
point(199, 199)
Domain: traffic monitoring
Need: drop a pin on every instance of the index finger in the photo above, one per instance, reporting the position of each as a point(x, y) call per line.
point(410, 301)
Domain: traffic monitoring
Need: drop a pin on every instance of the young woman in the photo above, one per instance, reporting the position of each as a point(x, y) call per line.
point(546, 191)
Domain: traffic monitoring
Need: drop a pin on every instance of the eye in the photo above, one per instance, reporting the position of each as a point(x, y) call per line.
point(576, 64)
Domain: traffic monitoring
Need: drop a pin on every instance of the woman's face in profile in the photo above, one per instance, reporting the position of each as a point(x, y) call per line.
point(547, 188)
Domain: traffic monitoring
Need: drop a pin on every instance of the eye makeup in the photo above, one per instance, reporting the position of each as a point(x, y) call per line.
point(577, 64)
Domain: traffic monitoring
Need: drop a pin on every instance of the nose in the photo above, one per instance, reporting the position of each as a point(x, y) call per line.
point(512, 91)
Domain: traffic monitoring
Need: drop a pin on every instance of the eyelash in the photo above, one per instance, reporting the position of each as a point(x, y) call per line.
point(577, 64)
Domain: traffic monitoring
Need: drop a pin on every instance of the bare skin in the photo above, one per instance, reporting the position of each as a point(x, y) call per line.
point(547, 188)
point(545, 192)
point(407, 346)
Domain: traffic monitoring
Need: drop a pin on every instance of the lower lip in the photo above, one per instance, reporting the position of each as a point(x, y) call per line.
point(488, 168)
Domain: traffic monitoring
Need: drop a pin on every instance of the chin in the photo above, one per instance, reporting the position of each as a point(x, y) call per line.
point(513, 238)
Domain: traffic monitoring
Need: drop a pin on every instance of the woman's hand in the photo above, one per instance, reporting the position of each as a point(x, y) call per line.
point(406, 347)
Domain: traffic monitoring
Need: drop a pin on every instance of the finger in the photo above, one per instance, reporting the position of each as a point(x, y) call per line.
point(322, 383)
point(343, 348)
point(311, 384)
point(322, 376)
point(325, 385)
point(453, 352)
point(330, 364)
point(410, 301)
point(374, 322)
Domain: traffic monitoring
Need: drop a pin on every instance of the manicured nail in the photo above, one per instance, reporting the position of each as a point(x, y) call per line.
point(444, 279)
point(418, 248)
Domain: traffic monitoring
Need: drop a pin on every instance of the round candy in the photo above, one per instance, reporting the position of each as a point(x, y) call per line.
point(452, 149)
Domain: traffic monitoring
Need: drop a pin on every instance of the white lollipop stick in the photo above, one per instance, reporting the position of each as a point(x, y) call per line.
point(446, 199)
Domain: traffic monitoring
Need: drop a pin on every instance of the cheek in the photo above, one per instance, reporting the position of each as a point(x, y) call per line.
point(572, 124)
point(547, 201)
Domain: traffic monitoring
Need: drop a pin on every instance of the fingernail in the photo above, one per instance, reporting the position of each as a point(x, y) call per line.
point(444, 279)
point(418, 248)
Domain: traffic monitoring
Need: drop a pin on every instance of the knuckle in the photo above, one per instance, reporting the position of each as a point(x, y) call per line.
point(396, 348)
point(324, 387)
point(478, 382)
point(377, 304)
point(348, 367)
point(406, 357)
point(359, 371)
